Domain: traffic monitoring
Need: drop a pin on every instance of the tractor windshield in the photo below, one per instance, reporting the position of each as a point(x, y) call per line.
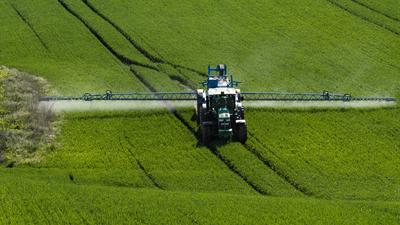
point(222, 101)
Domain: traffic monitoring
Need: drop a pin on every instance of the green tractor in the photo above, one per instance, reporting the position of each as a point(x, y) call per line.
point(220, 112)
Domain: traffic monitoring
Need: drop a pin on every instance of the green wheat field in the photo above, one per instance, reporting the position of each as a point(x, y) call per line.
point(299, 166)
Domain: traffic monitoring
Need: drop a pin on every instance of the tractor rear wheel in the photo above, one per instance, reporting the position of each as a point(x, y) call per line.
point(198, 109)
point(205, 134)
point(241, 133)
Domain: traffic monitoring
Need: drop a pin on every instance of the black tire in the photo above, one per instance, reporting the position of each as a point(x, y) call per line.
point(205, 134)
point(198, 109)
point(198, 115)
point(241, 133)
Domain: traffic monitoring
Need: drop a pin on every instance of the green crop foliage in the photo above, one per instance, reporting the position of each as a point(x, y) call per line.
point(107, 32)
point(349, 154)
point(269, 45)
point(152, 141)
point(53, 44)
point(29, 198)
point(98, 154)
point(389, 8)
point(298, 166)
point(275, 55)
point(159, 81)
point(369, 14)
point(249, 166)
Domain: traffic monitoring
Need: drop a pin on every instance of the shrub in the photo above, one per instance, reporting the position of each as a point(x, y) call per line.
point(24, 126)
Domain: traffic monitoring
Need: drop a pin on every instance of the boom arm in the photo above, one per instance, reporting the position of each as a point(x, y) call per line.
point(188, 96)
point(324, 96)
point(132, 96)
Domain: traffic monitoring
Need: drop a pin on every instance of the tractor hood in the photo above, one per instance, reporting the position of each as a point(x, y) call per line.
point(223, 113)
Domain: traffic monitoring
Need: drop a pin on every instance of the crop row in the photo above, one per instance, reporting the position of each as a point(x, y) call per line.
point(123, 46)
point(388, 8)
point(140, 77)
point(350, 154)
point(74, 62)
point(153, 146)
point(246, 164)
point(321, 48)
point(151, 86)
point(144, 149)
point(153, 55)
point(368, 14)
point(28, 199)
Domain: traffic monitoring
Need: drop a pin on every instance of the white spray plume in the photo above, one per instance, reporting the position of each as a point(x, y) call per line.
point(319, 104)
point(81, 106)
point(78, 106)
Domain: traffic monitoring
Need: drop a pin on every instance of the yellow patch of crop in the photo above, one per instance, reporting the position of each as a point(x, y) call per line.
point(3, 72)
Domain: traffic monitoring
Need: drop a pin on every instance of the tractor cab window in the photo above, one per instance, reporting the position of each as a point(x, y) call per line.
point(230, 102)
point(219, 101)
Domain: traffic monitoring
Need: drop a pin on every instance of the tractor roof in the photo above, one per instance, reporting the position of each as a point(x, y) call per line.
point(219, 91)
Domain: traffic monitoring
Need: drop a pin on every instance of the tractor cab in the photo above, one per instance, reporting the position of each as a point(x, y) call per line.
point(222, 98)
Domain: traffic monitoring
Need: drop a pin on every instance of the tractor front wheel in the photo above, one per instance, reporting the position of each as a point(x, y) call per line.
point(241, 133)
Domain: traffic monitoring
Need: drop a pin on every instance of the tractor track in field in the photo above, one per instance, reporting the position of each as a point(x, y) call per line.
point(122, 58)
point(143, 80)
point(144, 52)
point(352, 12)
point(375, 10)
point(126, 61)
point(234, 169)
point(172, 77)
point(148, 175)
point(134, 43)
point(30, 26)
point(142, 168)
point(271, 165)
point(213, 149)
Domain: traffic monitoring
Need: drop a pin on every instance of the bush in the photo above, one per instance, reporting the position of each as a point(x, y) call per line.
point(24, 126)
